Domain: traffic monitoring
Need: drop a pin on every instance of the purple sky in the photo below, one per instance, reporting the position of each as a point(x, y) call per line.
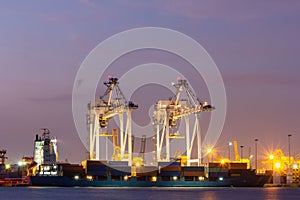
point(255, 44)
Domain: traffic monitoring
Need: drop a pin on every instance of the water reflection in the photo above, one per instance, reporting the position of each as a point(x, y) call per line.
point(209, 195)
point(271, 193)
point(50, 193)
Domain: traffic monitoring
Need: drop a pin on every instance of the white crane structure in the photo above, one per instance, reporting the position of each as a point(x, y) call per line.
point(100, 111)
point(167, 113)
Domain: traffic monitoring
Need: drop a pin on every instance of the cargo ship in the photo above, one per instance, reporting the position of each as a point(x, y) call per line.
point(99, 174)
point(128, 170)
point(15, 174)
point(95, 173)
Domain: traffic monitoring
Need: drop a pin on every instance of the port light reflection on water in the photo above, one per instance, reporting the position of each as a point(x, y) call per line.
point(88, 193)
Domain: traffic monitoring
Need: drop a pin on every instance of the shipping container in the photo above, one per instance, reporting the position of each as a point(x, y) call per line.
point(193, 173)
point(240, 171)
point(217, 170)
point(119, 173)
point(120, 170)
point(193, 168)
point(96, 173)
point(95, 162)
point(118, 163)
point(171, 169)
point(218, 165)
point(97, 168)
point(164, 164)
point(217, 174)
point(237, 165)
point(72, 170)
point(153, 173)
point(147, 171)
point(164, 173)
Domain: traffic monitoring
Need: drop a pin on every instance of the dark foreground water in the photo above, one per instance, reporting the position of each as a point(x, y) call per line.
point(33, 193)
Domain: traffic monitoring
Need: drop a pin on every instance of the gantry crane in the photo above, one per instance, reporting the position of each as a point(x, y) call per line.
point(168, 112)
point(100, 111)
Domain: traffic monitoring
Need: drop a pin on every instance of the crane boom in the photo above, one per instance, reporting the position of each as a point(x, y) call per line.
point(112, 105)
point(176, 114)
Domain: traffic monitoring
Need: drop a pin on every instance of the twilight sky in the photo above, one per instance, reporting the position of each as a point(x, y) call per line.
point(255, 45)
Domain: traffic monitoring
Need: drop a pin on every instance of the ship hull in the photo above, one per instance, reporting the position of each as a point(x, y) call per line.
point(62, 181)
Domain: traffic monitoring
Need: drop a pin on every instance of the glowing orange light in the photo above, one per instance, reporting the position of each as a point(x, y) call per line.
point(295, 166)
point(209, 150)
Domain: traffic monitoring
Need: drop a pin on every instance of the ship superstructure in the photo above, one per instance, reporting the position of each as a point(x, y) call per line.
point(45, 153)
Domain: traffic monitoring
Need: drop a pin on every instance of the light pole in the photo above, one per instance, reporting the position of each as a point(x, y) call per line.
point(256, 153)
point(229, 146)
point(289, 138)
point(242, 153)
point(289, 177)
point(272, 159)
point(209, 151)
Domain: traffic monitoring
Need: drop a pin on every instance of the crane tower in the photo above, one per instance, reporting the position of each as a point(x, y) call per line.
point(100, 111)
point(168, 112)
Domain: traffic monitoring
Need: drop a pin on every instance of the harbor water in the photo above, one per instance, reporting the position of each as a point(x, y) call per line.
point(33, 193)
